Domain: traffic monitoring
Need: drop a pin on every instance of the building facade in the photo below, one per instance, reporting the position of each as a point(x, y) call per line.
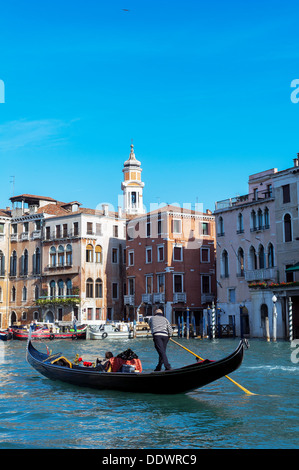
point(4, 263)
point(246, 253)
point(65, 261)
point(257, 256)
point(170, 263)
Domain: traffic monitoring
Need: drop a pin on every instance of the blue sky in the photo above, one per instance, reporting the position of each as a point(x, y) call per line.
point(202, 88)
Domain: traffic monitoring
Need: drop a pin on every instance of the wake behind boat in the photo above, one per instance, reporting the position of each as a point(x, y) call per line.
point(181, 380)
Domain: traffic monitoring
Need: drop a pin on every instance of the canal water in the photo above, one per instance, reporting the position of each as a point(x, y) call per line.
point(37, 413)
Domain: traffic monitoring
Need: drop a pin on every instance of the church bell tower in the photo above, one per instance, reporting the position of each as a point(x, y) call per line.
point(132, 186)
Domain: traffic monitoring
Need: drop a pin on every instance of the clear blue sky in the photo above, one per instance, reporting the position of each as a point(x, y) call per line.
point(203, 89)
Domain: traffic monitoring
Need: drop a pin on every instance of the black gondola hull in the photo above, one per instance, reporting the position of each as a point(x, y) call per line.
point(174, 381)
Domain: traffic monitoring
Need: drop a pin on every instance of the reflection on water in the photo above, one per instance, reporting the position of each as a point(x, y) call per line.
point(36, 412)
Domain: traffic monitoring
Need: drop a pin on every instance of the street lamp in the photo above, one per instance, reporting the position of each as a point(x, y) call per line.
point(274, 300)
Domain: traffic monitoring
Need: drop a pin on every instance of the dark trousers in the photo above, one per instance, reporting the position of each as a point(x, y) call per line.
point(160, 343)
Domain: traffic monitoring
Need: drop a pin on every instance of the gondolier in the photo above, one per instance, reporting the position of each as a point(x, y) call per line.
point(161, 330)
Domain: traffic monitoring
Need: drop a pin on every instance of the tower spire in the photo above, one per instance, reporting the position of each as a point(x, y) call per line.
point(132, 185)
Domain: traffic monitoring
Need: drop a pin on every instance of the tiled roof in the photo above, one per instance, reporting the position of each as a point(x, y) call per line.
point(5, 213)
point(31, 196)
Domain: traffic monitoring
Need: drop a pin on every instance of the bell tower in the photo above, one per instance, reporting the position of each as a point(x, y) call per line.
point(132, 186)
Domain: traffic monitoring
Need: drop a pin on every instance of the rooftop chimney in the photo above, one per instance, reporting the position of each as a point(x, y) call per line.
point(105, 209)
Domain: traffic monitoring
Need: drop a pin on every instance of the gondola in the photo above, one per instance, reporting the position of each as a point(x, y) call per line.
point(181, 380)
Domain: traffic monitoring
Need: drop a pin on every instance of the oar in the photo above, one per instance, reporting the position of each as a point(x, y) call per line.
point(226, 376)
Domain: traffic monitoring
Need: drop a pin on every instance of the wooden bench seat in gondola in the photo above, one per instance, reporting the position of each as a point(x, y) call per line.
point(62, 361)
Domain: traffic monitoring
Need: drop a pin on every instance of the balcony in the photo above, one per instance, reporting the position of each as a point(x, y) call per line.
point(207, 298)
point(24, 236)
point(129, 300)
point(36, 234)
point(159, 298)
point(179, 297)
point(147, 298)
point(14, 237)
point(243, 200)
point(59, 268)
point(260, 274)
point(54, 235)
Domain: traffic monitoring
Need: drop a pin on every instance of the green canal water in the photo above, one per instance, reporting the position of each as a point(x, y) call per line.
point(37, 413)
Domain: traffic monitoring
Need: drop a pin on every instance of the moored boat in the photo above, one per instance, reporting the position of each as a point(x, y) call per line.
point(49, 333)
point(180, 380)
point(107, 331)
point(5, 335)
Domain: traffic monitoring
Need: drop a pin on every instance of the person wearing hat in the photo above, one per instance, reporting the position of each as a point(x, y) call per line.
point(161, 330)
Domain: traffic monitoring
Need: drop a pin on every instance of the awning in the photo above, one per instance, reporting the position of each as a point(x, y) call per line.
point(295, 267)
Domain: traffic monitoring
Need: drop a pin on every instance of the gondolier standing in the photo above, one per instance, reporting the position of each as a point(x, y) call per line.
point(161, 330)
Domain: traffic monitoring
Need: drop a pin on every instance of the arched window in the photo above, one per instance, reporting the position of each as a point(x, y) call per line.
point(99, 288)
point(220, 226)
point(13, 263)
point(52, 256)
point(240, 228)
point(253, 220)
point(240, 266)
point(69, 287)
point(25, 262)
point(60, 256)
point(36, 261)
point(224, 264)
point(69, 255)
point(252, 258)
point(287, 222)
point(36, 292)
point(261, 254)
point(24, 293)
point(260, 219)
point(89, 253)
point(52, 289)
point(270, 256)
point(2, 264)
point(98, 254)
point(13, 294)
point(266, 218)
point(60, 288)
point(89, 288)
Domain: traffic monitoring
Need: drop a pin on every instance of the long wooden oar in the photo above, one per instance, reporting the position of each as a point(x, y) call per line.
point(226, 376)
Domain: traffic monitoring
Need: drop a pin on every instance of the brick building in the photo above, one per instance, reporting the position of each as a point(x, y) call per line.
point(170, 255)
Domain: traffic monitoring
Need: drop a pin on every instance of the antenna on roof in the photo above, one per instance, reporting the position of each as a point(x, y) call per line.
point(13, 185)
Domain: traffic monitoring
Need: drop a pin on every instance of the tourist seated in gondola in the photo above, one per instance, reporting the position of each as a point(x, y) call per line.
point(106, 365)
point(126, 358)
